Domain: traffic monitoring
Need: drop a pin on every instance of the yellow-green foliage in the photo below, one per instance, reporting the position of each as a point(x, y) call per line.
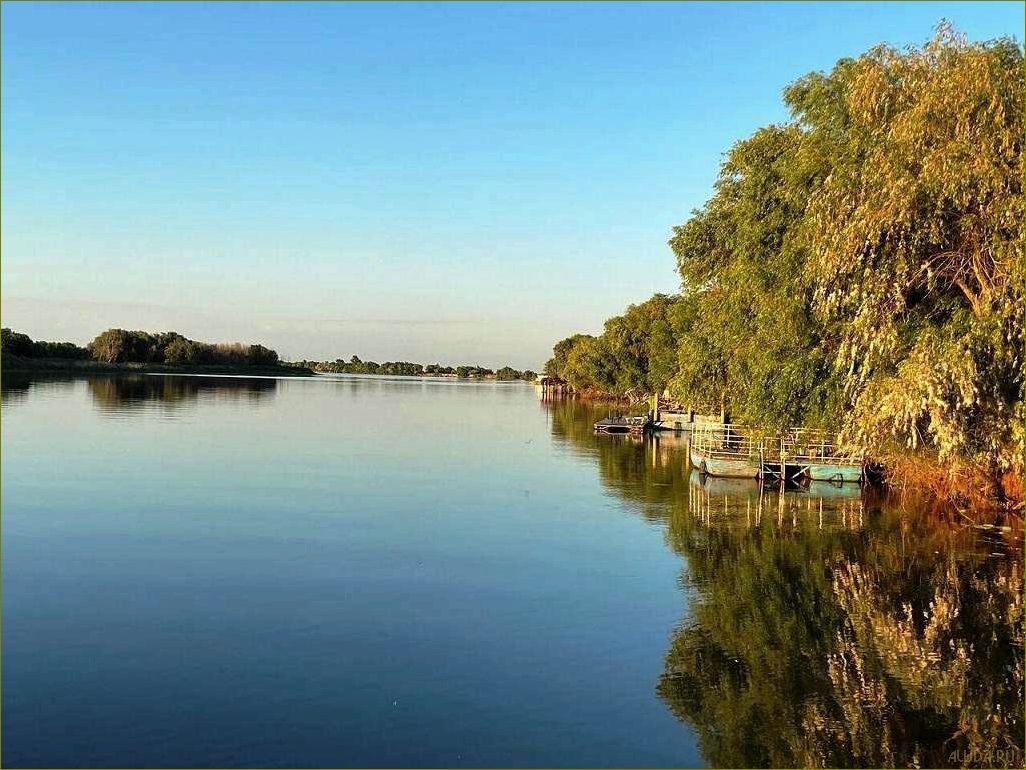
point(915, 240)
point(860, 266)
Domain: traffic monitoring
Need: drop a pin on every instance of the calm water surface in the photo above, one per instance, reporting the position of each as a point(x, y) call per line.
point(400, 572)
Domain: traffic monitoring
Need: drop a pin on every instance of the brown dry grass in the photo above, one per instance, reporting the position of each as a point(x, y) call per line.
point(963, 485)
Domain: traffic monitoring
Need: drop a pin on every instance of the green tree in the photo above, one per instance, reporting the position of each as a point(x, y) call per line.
point(15, 343)
point(180, 352)
point(110, 346)
point(859, 267)
point(915, 240)
point(119, 345)
point(258, 355)
point(636, 353)
point(555, 366)
point(507, 373)
point(753, 339)
point(643, 344)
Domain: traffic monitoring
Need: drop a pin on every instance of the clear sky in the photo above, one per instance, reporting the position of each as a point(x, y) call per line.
point(455, 182)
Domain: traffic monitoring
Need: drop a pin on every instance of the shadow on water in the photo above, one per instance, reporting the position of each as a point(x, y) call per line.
point(126, 393)
point(115, 395)
point(826, 627)
point(14, 388)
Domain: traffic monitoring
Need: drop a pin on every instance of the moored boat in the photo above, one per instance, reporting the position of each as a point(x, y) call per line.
point(726, 467)
point(726, 450)
point(796, 455)
point(623, 425)
point(839, 472)
point(821, 457)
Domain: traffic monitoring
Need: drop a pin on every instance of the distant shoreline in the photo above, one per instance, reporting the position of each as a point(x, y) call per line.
point(13, 363)
point(426, 376)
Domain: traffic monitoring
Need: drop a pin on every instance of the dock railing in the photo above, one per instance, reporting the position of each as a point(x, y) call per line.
point(727, 441)
point(817, 446)
point(798, 445)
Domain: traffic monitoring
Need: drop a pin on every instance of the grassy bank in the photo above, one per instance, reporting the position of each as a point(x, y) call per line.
point(966, 486)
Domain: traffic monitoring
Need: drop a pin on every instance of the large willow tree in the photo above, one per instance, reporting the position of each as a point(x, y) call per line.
point(862, 265)
point(858, 267)
point(915, 239)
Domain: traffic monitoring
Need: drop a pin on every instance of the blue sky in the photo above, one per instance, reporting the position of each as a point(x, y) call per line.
point(455, 182)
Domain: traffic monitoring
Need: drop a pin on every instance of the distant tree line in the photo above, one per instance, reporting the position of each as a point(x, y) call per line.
point(122, 346)
point(19, 344)
point(635, 355)
point(115, 346)
point(405, 368)
point(173, 349)
point(858, 266)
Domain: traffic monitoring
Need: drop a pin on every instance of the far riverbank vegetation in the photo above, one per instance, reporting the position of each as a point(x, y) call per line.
point(407, 369)
point(857, 268)
point(118, 348)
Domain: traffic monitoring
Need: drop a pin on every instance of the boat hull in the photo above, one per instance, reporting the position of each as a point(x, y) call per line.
point(837, 473)
point(613, 429)
point(622, 425)
point(739, 468)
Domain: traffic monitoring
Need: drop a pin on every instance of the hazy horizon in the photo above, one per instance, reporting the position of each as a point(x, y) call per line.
point(452, 183)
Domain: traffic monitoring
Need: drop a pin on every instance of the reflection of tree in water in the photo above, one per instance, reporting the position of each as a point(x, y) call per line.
point(121, 393)
point(887, 645)
point(16, 386)
point(650, 472)
point(827, 629)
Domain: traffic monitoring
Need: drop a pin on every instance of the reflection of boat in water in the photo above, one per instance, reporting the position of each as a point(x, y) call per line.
point(831, 490)
point(797, 455)
point(734, 501)
point(720, 486)
point(669, 439)
point(828, 490)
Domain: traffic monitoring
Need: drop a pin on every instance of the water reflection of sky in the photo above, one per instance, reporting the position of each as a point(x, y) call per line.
point(830, 625)
point(390, 571)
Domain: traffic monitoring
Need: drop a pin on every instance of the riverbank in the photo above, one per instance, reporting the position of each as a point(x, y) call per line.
point(963, 485)
point(823, 284)
point(430, 376)
point(13, 363)
point(411, 369)
point(916, 474)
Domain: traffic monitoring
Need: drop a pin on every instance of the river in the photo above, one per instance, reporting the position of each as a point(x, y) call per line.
point(369, 571)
